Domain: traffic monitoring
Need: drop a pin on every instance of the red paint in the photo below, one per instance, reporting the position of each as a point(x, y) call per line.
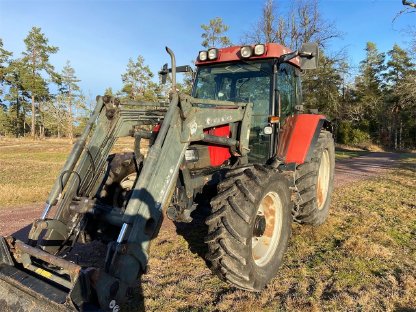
point(273, 50)
point(218, 154)
point(156, 128)
point(296, 136)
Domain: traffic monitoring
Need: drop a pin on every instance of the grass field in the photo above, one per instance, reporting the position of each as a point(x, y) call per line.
point(29, 168)
point(362, 259)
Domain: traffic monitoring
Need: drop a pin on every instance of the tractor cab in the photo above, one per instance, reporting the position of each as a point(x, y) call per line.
point(267, 75)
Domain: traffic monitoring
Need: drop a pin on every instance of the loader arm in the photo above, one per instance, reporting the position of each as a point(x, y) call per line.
point(73, 196)
point(184, 123)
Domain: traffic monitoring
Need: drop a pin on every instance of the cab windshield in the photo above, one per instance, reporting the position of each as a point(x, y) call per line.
point(241, 82)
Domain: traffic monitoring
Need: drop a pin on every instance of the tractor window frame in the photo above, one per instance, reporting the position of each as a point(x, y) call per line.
point(258, 89)
point(289, 88)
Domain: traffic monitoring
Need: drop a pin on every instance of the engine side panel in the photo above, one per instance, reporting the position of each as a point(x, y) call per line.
point(219, 154)
point(298, 136)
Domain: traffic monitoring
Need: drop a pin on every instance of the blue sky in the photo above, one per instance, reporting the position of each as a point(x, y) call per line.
point(99, 37)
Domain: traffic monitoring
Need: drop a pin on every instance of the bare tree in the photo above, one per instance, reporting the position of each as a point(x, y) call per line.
point(410, 6)
point(303, 23)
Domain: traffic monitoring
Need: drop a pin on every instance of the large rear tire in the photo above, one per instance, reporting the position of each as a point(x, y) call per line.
point(315, 182)
point(250, 226)
point(122, 176)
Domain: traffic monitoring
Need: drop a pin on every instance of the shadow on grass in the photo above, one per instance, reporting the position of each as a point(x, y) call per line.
point(195, 232)
point(23, 233)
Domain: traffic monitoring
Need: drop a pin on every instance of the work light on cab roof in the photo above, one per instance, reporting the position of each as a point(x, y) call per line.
point(245, 51)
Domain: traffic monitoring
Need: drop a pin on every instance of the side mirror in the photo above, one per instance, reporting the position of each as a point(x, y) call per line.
point(179, 69)
point(164, 73)
point(309, 56)
point(184, 69)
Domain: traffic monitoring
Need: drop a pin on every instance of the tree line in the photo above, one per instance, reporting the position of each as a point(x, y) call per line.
point(376, 103)
point(40, 100)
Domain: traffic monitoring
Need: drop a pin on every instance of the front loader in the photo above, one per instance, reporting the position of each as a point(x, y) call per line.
point(242, 132)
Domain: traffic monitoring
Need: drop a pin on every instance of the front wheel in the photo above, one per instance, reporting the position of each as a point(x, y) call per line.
point(249, 229)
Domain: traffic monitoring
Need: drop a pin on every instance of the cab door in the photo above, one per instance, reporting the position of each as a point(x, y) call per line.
point(257, 90)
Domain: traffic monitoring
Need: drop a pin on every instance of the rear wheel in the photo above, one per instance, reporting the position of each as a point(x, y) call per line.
point(115, 194)
point(120, 181)
point(315, 182)
point(249, 229)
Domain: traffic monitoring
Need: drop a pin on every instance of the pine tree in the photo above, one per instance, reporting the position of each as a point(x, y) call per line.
point(400, 71)
point(322, 88)
point(4, 62)
point(36, 60)
point(70, 90)
point(366, 110)
point(214, 34)
point(17, 96)
point(137, 81)
point(398, 66)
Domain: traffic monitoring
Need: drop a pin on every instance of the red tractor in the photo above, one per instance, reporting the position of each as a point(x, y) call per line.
point(242, 131)
point(252, 213)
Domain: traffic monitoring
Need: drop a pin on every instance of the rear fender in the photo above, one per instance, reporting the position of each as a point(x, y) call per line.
point(298, 137)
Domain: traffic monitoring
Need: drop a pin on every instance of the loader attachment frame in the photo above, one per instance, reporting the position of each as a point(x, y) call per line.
point(74, 196)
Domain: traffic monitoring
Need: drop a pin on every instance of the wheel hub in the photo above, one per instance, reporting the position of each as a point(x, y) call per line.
point(267, 228)
point(323, 180)
point(259, 226)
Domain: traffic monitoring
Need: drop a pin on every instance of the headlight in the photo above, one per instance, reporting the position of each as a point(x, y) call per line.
point(212, 54)
point(259, 49)
point(203, 55)
point(246, 51)
point(268, 130)
point(191, 155)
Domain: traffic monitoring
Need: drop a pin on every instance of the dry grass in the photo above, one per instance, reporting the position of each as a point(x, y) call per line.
point(362, 259)
point(28, 168)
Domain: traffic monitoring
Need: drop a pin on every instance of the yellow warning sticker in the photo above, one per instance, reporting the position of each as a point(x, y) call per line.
point(43, 273)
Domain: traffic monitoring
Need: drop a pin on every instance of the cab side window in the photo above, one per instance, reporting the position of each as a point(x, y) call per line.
point(289, 88)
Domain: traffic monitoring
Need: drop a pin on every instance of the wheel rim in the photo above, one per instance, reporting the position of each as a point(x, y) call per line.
point(323, 180)
point(266, 235)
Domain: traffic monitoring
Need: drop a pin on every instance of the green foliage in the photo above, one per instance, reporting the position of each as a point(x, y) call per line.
point(137, 81)
point(36, 61)
point(321, 87)
point(68, 81)
point(38, 68)
point(71, 93)
point(358, 136)
point(344, 132)
point(109, 91)
point(398, 65)
point(5, 123)
point(214, 34)
point(4, 60)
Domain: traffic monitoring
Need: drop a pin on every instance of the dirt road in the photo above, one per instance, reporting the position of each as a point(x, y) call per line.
point(360, 168)
point(347, 171)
